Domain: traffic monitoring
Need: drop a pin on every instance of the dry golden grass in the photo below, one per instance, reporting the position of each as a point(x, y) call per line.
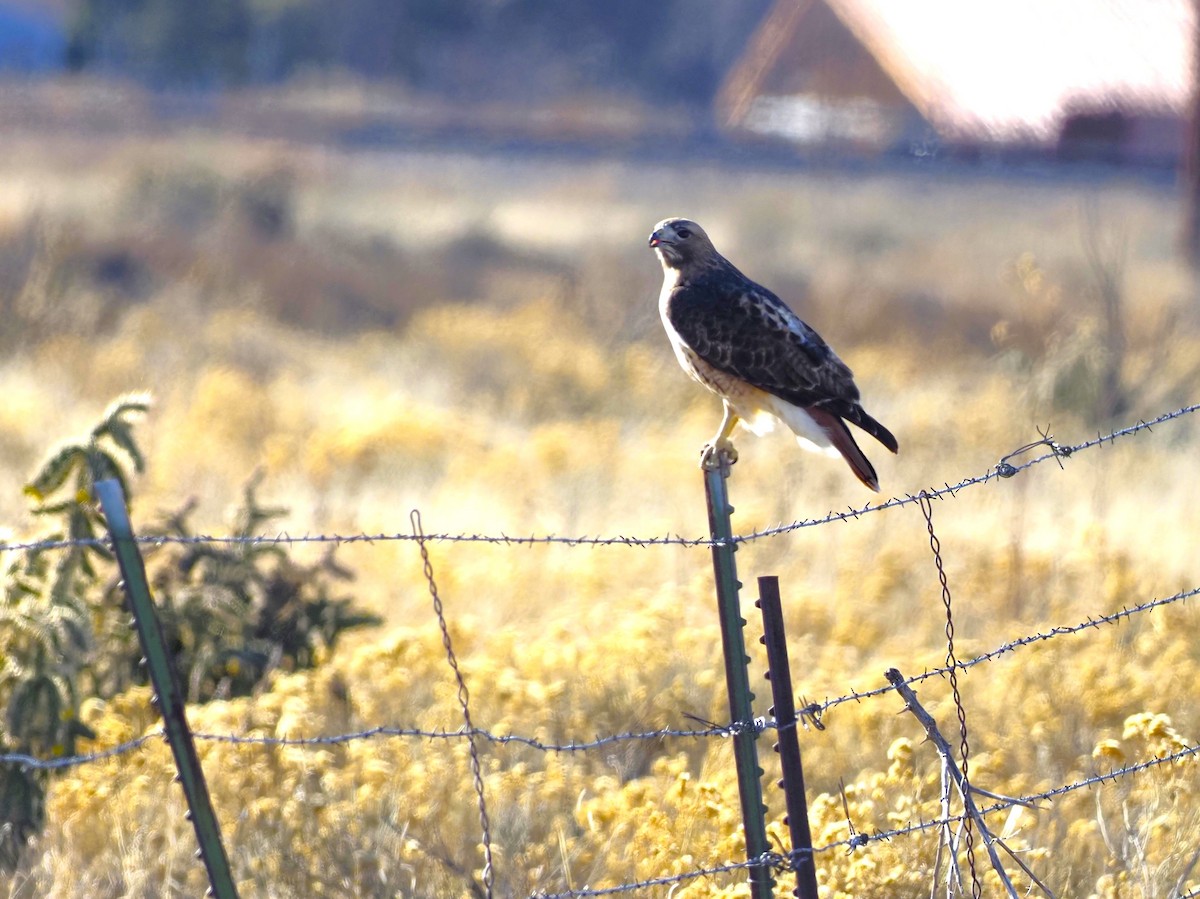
point(501, 368)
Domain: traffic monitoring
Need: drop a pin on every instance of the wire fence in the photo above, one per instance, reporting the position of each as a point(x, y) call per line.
point(1009, 465)
point(1003, 470)
point(809, 713)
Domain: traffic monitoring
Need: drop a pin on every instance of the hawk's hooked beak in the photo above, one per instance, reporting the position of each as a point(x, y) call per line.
point(657, 238)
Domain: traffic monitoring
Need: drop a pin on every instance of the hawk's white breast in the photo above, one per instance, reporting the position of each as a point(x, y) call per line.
point(687, 358)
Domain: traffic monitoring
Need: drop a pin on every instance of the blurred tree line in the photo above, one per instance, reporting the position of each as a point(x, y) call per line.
point(672, 51)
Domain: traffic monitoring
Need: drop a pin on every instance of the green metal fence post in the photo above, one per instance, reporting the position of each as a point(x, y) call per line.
point(737, 676)
point(167, 689)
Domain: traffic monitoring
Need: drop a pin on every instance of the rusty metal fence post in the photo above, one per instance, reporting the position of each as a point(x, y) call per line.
point(737, 677)
point(784, 709)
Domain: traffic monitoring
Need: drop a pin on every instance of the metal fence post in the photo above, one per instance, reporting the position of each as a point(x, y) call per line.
point(167, 689)
point(737, 677)
point(780, 675)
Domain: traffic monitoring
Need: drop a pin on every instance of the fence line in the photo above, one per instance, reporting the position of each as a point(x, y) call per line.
point(1006, 468)
point(782, 862)
point(816, 709)
point(813, 711)
point(1002, 470)
point(767, 859)
point(853, 842)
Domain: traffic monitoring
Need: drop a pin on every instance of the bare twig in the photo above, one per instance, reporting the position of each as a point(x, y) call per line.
point(948, 841)
point(1000, 797)
point(947, 755)
point(1187, 871)
point(1024, 867)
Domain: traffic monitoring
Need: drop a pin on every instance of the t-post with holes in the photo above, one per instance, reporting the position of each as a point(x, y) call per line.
point(170, 697)
point(737, 674)
point(786, 722)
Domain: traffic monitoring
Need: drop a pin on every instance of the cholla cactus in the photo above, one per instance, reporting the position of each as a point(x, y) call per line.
point(45, 620)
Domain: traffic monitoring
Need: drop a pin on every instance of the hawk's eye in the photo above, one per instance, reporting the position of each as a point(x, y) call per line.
point(684, 233)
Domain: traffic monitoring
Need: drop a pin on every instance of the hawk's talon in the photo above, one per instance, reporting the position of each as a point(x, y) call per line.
point(716, 455)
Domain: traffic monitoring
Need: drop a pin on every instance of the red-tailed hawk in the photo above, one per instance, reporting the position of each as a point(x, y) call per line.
point(745, 345)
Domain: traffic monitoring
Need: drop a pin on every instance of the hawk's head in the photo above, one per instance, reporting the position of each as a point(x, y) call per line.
point(680, 242)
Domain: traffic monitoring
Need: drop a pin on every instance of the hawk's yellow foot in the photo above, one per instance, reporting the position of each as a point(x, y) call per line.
point(710, 456)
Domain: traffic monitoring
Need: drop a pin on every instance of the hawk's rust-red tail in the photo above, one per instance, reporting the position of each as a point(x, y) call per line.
point(843, 441)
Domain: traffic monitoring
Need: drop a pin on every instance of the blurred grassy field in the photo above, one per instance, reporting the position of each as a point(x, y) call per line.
point(477, 337)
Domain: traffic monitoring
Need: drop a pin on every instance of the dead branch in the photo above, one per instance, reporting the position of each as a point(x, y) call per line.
point(943, 749)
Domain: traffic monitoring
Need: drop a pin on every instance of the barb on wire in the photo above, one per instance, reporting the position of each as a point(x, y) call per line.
point(856, 839)
point(810, 714)
point(1057, 451)
point(1006, 470)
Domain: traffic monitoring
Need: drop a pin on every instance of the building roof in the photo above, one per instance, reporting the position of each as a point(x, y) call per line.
point(1013, 70)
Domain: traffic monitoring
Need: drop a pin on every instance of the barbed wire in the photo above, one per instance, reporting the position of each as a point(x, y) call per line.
point(1032, 799)
point(1007, 803)
point(1004, 469)
point(383, 731)
point(767, 859)
point(1115, 774)
point(817, 709)
point(811, 711)
point(775, 860)
point(23, 760)
point(783, 862)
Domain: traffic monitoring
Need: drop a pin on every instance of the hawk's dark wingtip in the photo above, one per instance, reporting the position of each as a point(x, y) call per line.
point(875, 429)
point(883, 435)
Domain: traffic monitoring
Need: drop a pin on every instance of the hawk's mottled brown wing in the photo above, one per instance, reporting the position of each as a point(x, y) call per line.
point(745, 330)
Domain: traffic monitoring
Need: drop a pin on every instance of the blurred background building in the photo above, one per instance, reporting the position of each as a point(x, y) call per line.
point(1043, 82)
point(1100, 80)
point(1096, 80)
